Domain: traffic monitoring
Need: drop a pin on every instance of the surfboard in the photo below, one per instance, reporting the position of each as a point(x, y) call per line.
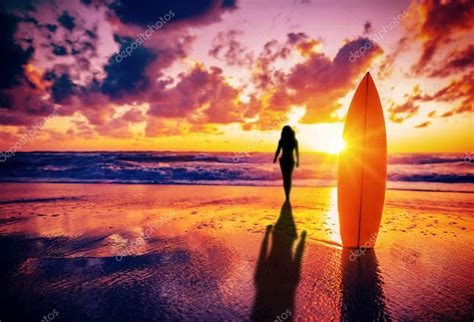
point(362, 168)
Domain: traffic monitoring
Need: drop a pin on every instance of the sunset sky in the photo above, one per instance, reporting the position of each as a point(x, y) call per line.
point(227, 75)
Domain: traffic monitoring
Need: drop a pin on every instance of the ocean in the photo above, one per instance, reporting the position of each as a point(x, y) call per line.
point(428, 172)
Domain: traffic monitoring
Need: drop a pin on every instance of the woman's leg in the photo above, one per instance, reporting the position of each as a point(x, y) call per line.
point(287, 171)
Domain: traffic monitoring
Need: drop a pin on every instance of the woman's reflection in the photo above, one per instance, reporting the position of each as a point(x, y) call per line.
point(278, 271)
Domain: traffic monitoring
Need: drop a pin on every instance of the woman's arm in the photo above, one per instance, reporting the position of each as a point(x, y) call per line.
point(297, 154)
point(277, 152)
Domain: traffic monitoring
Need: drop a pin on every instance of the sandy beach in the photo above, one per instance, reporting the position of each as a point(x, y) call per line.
point(153, 252)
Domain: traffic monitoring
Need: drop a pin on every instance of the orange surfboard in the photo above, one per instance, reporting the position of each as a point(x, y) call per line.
point(362, 173)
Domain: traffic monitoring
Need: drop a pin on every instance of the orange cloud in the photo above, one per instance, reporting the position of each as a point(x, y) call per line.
point(400, 113)
point(424, 124)
point(458, 90)
point(317, 83)
point(459, 61)
point(35, 76)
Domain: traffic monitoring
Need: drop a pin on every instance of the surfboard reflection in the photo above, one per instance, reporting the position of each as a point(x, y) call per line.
point(278, 271)
point(362, 293)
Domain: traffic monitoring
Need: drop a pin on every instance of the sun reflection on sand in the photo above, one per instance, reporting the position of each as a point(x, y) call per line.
point(332, 220)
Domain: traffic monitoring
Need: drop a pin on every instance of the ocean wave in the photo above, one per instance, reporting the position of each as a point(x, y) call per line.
point(423, 158)
point(219, 169)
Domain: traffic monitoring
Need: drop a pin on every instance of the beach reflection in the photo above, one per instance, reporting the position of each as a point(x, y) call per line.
point(332, 218)
point(278, 270)
point(363, 298)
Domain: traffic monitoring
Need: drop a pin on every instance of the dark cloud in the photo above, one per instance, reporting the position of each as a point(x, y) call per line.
point(91, 34)
point(20, 100)
point(59, 50)
point(67, 21)
point(25, 106)
point(75, 87)
point(144, 13)
point(62, 89)
point(127, 76)
point(367, 27)
point(12, 56)
point(296, 37)
point(51, 27)
point(29, 19)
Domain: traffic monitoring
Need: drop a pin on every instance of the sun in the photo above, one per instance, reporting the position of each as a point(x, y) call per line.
point(323, 137)
point(335, 146)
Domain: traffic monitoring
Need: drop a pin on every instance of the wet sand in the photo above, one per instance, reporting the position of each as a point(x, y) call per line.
point(148, 252)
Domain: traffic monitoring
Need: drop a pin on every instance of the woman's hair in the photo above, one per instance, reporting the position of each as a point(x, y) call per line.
point(287, 135)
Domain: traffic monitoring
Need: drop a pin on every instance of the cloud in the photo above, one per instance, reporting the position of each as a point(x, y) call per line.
point(459, 92)
point(424, 124)
point(137, 76)
point(435, 26)
point(22, 98)
point(12, 55)
point(227, 48)
point(83, 76)
point(201, 95)
point(459, 61)
point(67, 21)
point(127, 76)
point(399, 113)
point(143, 13)
point(59, 50)
point(62, 88)
point(388, 63)
point(134, 115)
point(367, 27)
point(319, 82)
point(443, 21)
point(23, 105)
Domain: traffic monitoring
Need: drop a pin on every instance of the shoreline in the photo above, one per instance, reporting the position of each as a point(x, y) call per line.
point(222, 185)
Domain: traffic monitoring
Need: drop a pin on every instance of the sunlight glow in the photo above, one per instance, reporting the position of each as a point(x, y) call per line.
point(296, 113)
point(332, 219)
point(336, 146)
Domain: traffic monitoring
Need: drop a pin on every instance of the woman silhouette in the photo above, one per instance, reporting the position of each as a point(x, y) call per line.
point(289, 144)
